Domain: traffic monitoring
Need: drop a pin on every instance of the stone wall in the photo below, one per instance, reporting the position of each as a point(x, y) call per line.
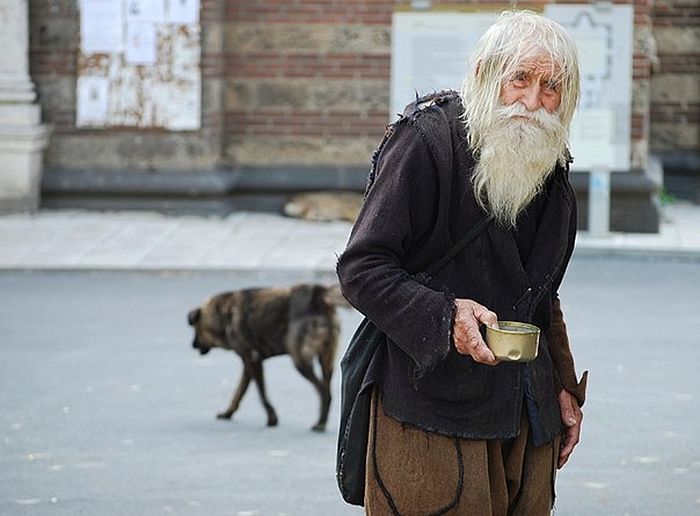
point(288, 82)
point(296, 83)
point(675, 84)
point(54, 46)
point(308, 81)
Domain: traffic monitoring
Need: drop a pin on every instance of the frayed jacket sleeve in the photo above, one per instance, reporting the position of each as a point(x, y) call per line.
point(396, 216)
point(565, 371)
point(557, 335)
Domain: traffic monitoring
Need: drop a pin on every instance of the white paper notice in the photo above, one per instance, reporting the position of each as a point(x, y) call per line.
point(141, 43)
point(429, 51)
point(145, 10)
point(592, 51)
point(101, 26)
point(183, 11)
point(592, 139)
point(601, 134)
point(92, 97)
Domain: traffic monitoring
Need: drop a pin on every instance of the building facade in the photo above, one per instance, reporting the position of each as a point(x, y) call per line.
point(295, 96)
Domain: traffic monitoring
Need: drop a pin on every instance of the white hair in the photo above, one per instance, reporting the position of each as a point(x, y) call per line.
point(519, 152)
point(516, 37)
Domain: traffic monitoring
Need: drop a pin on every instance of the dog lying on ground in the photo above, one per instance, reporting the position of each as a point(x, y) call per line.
point(259, 323)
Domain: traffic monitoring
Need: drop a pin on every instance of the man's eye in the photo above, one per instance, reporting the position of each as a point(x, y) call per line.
point(519, 77)
point(552, 86)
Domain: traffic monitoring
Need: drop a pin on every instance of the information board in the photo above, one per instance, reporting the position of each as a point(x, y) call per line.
point(601, 128)
point(430, 52)
point(138, 64)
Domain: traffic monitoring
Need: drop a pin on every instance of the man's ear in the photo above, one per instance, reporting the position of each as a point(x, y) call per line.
point(193, 316)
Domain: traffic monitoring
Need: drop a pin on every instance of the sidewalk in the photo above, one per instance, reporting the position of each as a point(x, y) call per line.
point(247, 241)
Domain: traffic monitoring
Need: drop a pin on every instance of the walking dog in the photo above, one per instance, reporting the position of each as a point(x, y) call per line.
point(259, 323)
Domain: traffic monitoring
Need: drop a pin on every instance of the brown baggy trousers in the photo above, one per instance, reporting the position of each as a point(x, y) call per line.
point(414, 472)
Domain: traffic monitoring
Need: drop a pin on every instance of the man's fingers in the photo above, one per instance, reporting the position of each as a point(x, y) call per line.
point(485, 316)
point(572, 436)
point(483, 355)
point(467, 338)
point(474, 337)
point(566, 450)
point(479, 351)
point(570, 413)
point(568, 416)
point(563, 459)
point(473, 345)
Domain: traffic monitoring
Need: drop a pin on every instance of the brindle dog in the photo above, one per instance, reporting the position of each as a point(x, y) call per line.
point(259, 323)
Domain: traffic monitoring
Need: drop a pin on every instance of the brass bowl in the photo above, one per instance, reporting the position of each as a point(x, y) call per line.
point(513, 341)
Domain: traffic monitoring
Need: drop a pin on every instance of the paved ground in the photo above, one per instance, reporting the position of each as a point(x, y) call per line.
point(245, 241)
point(105, 409)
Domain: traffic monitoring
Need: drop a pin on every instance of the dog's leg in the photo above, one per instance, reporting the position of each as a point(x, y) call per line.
point(307, 371)
point(256, 370)
point(237, 396)
point(326, 359)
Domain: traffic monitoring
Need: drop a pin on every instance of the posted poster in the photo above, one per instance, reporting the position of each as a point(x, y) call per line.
point(183, 11)
point(101, 26)
point(139, 65)
point(141, 43)
point(92, 100)
point(601, 131)
point(429, 52)
point(145, 11)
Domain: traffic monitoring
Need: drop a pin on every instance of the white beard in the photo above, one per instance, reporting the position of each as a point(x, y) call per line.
point(516, 158)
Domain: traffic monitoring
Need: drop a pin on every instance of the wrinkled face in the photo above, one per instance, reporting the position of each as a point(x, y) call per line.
point(208, 331)
point(534, 84)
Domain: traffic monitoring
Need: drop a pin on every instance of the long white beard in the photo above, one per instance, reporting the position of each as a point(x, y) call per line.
point(516, 158)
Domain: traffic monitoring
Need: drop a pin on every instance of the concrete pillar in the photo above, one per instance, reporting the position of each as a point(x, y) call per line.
point(22, 137)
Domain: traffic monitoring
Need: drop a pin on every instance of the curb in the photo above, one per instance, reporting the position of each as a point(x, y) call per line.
point(636, 253)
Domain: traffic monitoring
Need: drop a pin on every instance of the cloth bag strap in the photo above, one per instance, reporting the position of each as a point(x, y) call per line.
point(470, 235)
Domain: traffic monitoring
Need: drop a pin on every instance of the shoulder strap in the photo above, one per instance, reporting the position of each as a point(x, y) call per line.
point(475, 230)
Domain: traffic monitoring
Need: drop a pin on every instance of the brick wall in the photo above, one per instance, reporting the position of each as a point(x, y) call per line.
point(54, 47)
point(675, 84)
point(308, 80)
point(305, 82)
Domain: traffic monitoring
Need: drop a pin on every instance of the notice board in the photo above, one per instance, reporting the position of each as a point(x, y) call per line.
point(601, 128)
point(139, 64)
point(430, 51)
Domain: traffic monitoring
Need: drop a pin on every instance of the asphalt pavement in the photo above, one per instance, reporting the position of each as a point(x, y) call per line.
point(105, 409)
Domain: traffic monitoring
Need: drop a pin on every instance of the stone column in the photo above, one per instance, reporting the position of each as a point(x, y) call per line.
point(22, 137)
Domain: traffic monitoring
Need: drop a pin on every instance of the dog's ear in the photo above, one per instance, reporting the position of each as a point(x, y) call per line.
point(193, 316)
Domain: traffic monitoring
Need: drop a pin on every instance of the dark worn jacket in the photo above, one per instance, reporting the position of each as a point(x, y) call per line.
point(419, 203)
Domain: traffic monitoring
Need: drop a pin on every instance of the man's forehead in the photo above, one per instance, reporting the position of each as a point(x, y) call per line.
point(541, 64)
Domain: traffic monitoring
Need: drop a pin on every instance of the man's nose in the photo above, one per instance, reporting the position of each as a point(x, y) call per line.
point(531, 97)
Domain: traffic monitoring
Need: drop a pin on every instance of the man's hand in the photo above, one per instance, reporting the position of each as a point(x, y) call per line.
point(468, 341)
point(571, 416)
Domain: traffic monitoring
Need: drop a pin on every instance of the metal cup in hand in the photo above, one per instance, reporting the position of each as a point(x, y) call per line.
point(513, 341)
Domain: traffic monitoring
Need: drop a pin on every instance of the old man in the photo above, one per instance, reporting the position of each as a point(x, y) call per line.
point(454, 430)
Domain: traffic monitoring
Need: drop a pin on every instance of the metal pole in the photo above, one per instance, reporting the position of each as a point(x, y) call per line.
point(599, 203)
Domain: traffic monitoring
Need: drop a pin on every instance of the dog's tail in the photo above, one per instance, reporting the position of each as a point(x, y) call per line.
point(335, 297)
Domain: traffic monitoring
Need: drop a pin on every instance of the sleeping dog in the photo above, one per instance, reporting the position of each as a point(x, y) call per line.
point(259, 323)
